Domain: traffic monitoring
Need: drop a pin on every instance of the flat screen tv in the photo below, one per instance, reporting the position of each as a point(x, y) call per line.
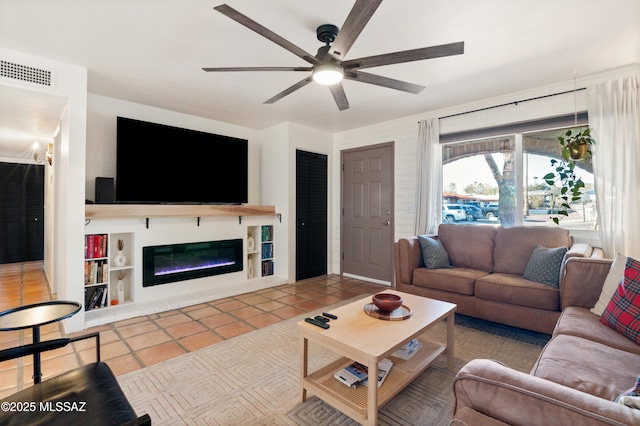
point(159, 164)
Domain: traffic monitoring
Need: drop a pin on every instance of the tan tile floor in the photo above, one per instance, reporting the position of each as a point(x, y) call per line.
point(142, 341)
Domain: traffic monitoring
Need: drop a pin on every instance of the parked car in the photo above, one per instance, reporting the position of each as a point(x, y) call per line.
point(490, 210)
point(472, 212)
point(453, 213)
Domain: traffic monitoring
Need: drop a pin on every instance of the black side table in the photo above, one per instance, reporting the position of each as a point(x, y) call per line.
point(34, 316)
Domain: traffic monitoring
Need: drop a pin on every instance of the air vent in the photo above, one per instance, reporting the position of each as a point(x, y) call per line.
point(25, 73)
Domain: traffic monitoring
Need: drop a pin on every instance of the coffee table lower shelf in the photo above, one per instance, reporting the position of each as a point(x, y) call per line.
point(353, 402)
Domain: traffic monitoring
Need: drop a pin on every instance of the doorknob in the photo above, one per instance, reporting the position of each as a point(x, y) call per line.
point(387, 223)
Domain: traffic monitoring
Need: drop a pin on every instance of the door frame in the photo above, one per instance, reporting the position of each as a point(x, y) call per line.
point(390, 144)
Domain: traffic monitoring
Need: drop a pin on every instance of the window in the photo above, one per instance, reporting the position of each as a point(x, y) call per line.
point(502, 177)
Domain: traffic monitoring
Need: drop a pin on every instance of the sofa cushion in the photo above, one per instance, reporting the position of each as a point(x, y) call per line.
point(544, 265)
point(469, 246)
point(623, 311)
point(514, 246)
point(615, 275)
point(587, 366)
point(515, 290)
point(455, 280)
point(580, 322)
point(434, 254)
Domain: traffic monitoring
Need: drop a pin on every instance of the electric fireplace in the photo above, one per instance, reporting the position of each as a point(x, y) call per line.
point(178, 262)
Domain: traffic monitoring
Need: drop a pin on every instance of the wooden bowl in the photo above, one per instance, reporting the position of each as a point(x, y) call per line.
point(387, 302)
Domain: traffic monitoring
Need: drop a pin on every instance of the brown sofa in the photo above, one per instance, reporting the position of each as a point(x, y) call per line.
point(486, 280)
point(578, 375)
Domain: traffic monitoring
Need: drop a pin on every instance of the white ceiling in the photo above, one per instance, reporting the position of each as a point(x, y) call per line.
point(151, 52)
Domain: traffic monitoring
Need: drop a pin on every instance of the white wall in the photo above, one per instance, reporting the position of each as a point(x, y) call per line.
point(278, 181)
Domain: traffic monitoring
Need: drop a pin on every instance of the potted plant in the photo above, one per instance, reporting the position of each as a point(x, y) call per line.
point(575, 147)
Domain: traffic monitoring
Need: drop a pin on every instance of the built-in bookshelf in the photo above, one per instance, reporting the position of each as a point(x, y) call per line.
point(260, 258)
point(108, 270)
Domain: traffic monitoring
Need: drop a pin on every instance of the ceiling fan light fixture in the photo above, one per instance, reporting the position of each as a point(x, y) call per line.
point(328, 74)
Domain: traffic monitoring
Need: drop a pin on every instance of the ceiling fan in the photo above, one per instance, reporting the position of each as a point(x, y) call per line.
point(328, 66)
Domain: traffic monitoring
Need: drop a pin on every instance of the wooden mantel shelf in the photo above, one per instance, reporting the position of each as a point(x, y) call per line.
point(99, 211)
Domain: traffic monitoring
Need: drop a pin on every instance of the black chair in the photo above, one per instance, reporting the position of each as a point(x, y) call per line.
point(87, 395)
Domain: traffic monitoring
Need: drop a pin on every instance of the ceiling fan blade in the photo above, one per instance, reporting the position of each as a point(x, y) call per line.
point(254, 26)
point(406, 56)
point(379, 80)
point(339, 96)
point(360, 14)
point(258, 69)
point(290, 90)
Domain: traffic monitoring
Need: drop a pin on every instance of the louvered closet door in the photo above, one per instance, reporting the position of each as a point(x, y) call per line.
point(21, 212)
point(311, 214)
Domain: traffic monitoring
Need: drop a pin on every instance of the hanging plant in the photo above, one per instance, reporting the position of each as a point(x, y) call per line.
point(575, 147)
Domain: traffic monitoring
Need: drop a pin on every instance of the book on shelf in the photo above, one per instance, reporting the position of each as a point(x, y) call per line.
point(267, 268)
point(352, 375)
point(408, 350)
point(267, 233)
point(267, 250)
point(356, 374)
point(96, 271)
point(95, 246)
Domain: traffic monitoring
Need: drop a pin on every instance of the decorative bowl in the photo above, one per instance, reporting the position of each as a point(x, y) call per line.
point(387, 302)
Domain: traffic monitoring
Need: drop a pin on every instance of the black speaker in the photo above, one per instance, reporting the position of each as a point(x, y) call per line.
point(105, 190)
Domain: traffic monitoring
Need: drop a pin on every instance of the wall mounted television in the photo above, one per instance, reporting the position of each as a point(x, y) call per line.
point(158, 164)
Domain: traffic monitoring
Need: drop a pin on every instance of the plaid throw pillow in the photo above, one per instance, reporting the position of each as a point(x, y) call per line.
point(623, 311)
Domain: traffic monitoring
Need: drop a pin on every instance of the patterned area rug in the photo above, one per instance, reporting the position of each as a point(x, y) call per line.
point(253, 379)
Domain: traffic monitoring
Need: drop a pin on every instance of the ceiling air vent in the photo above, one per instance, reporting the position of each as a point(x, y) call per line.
point(25, 73)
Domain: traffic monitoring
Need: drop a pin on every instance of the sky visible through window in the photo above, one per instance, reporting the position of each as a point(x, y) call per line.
point(466, 171)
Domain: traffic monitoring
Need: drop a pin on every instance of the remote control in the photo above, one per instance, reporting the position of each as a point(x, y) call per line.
point(317, 323)
point(323, 319)
point(328, 315)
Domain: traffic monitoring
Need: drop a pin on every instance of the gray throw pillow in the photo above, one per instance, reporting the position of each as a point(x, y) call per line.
point(434, 254)
point(544, 265)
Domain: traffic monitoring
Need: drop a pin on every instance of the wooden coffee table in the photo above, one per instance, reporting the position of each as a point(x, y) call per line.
point(359, 337)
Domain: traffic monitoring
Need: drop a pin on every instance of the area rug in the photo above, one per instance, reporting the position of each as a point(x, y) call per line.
point(253, 379)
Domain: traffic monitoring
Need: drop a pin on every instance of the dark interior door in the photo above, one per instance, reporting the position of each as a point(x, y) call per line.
point(311, 214)
point(22, 212)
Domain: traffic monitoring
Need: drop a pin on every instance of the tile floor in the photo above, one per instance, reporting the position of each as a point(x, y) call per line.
point(142, 341)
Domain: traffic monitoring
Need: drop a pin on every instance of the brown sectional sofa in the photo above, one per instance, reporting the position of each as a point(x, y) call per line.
point(486, 280)
point(576, 378)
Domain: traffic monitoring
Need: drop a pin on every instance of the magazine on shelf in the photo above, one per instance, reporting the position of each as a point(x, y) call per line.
point(383, 370)
point(355, 374)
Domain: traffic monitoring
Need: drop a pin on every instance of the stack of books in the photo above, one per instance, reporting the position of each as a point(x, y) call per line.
point(356, 374)
point(408, 350)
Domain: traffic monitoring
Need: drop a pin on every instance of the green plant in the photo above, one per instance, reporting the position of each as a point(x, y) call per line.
point(575, 147)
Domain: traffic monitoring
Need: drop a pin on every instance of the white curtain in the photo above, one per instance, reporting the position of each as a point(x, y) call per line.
point(614, 115)
point(428, 210)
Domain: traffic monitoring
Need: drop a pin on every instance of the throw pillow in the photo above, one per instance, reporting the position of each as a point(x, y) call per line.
point(544, 265)
point(615, 275)
point(434, 254)
point(623, 311)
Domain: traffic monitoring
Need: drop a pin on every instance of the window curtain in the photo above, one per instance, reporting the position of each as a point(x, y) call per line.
point(614, 116)
point(428, 210)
